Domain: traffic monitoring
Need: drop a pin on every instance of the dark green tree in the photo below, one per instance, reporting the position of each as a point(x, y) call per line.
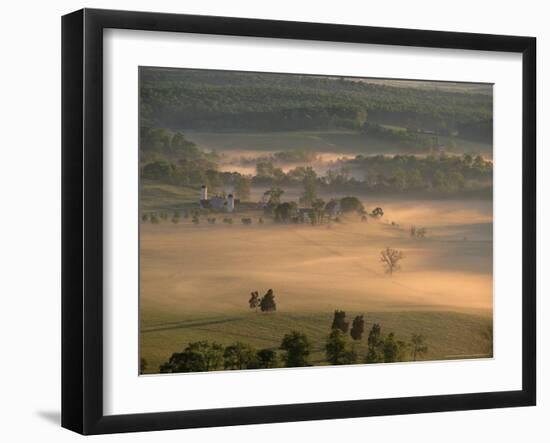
point(339, 321)
point(418, 346)
point(285, 211)
point(267, 303)
point(375, 345)
point(142, 365)
point(239, 356)
point(297, 349)
point(338, 349)
point(392, 349)
point(357, 327)
point(267, 358)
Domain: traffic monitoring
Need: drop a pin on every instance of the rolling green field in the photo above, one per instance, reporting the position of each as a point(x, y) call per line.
point(449, 335)
point(162, 196)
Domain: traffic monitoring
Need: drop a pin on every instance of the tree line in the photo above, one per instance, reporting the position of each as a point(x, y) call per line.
point(169, 157)
point(295, 350)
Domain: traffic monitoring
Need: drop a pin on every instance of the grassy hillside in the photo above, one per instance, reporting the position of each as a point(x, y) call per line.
point(162, 196)
point(448, 335)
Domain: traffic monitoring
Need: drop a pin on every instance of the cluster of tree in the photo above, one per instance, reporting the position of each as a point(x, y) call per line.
point(169, 157)
point(440, 173)
point(436, 173)
point(155, 218)
point(266, 303)
point(295, 350)
point(202, 356)
point(340, 350)
point(217, 100)
point(317, 210)
point(389, 349)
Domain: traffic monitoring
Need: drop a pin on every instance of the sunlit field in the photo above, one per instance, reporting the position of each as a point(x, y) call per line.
point(196, 279)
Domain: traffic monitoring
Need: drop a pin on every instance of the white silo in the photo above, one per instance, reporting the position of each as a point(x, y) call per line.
point(230, 203)
point(204, 192)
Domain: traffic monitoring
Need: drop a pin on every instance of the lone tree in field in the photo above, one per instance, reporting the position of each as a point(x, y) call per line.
point(338, 349)
point(254, 300)
point(267, 358)
point(357, 328)
point(418, 232)
point(377, 212)
point(267, 303)
point(418, 346)
point(390, 258)
point(339, 321)
point(297, 349)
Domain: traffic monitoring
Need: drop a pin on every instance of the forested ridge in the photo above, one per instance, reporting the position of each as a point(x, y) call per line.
point(240, 101)
point(169, 157)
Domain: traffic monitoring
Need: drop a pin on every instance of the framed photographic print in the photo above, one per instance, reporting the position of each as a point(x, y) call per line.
point(269, 221)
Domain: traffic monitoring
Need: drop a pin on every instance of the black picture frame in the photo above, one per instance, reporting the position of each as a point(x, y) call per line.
point(82, 218)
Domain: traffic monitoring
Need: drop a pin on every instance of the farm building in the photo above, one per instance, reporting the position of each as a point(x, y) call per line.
point(217, 202)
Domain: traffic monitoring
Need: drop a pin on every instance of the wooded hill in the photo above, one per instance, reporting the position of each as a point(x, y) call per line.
point(241, 101)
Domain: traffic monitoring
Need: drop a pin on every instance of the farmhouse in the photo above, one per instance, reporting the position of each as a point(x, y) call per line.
point(216, 202)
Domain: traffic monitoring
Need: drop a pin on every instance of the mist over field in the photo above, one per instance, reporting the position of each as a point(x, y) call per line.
point(303, 190)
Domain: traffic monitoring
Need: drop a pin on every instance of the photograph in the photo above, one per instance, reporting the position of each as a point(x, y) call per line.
point(291, 220)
